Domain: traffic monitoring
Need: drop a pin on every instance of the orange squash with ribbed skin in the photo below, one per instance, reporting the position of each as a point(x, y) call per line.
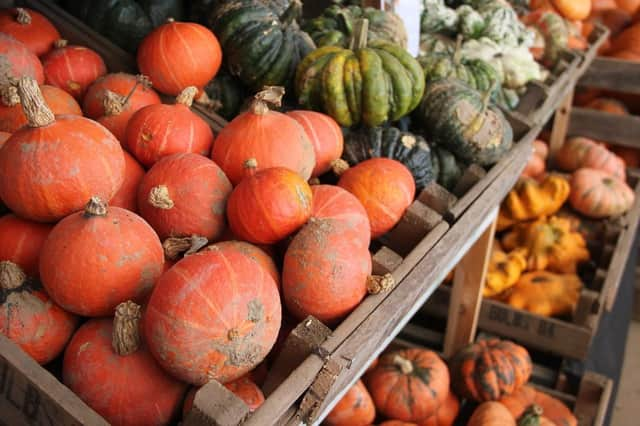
point(95, 259)
point(21, 241)
point(630, 156)
point(385, 187)
point(354, 409)
point(629, 6)
point(597, 194)
point(626, 41)
point(121, 84)
point(72, 68)
point(268, 205)
point(107, 354)
point(325, 135)
point(446, 413)
point(12, 116)
point(184, 195)
point(397, 423)
point(491, 413)
point(50, 168)
point(579, 152)
point(19, 60)
point(29, 27)
point(612, 106)
point(127, 195)
point(29, 318)
point(519, 401)
point(325, 271)
point(333, 202)
point(176, 55)
point(157, 131)
point(272, 138)
point(213, 315)
point(573, 10)
point(3, 137)
point(409, 385)
point(258, 255)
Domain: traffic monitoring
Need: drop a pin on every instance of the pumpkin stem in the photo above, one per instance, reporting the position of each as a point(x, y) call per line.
point(270, 95)
point(159, 197)
point(405, 366)
point(486, 97)
point(171, 19)
point(186, 96)
point(9, 95)
point(212, 104)
point(95, 207)
point(22, 16)
point(35, 109)
point(380, 283)
point(11, 275)
point(313, 181)
point(60, 43)
point(113, 103)
point(126, 331)
point(339, 166)
point(144, 80)
point(360, 34)
point(292, 13)
point(176, 247)
point(531, 416)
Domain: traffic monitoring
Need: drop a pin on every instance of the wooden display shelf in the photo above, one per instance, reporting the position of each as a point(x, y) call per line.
point(613, 74)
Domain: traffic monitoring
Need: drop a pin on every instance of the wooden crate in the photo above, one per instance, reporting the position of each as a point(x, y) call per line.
point(613, 74)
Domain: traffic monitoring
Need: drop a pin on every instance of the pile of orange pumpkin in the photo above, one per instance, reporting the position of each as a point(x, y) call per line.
point(179, 256)
point(415, 387)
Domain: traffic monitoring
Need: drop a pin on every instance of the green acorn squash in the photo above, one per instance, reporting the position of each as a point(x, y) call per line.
point(335, 26)
point(447, 169)
point(226, 95)
point(437, 17)
point(262, 44)
point(436, 43)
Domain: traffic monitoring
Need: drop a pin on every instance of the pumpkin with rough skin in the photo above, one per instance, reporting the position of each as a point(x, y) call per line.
point(29, 27)
point(390, 142)
point(18, 61)
point(159, 130)
point(29, 318)
point(12, 116)
point(354, 409)
point(21, 242)
point(446, 413)
point(409, 385)
point(257, 254)
point(325, 272)
point(536, 166)
point(552, 408)
point(272, 138)
point(244, 388)
point(127, 195)
point(385, 188)
point(489, 369)
point(120, 259)
point(184, 195)
point(109, 353)
point(504, 270)
point(579, 152)
point(491, 413)
point(545, 293)
point(135, 88)
point(596, 194)
point(555, 33)
point(69, 156)
point(226, 336)
point(177, 55)
point(72, 68)
point(262, 41)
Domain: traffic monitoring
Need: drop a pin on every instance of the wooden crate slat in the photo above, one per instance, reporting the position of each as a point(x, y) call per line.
point(612, 74)
point(621, 130)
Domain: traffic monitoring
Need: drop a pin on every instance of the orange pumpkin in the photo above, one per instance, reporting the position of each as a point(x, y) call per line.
point(214, 315)
point(629, 6)
point(597, 194)
point(177, 55)
point(626, 55)
point(12, 116)
point(397, 423)
point(630, 156)
point(446, 413)
point(272, 138)
point(29, 27)
point(573, 10)
point(537, 164)
point(553, 409)
point(184, 195)
point(3, 137)
point(579, 152)
point(409, 385)
point(18, 61)
point(95, 259)
point(21, 241)
point(627, 41)
point(354, 409)
point(385, 187)
point(127, 195)
point(258, 255)
point(136, 88)
point(244, 388)
point(612, 106)
point(491, 413)
point(69, 156)
point(29, 318)
point(268, 205)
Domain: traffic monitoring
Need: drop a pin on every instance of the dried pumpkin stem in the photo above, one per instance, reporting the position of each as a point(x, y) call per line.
point(126, 330)
point(339, 166)
point(187, 96)
point(531, 415)
point(360, 35)
point(380, 283)
point(171, 19)
point(212, 104)
point(11, 275)
point(270, 95)
point(95, 207)
point(144, 80)
point(159, 197)
point(22, 16)
point(176, 247)
point(291, 13)
point(60, 43)
point(9, 95)
point(405, 366)
point(35, 109)
point(113, 103)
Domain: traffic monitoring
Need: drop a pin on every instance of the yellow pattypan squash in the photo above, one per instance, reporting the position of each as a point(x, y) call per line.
point(504, 270)
point(545, 293)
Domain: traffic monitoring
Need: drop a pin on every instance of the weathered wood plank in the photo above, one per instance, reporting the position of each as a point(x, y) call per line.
point(560, 125)
point(592, 399)
point(621, 130)
point(215, 405)
point(612, 74)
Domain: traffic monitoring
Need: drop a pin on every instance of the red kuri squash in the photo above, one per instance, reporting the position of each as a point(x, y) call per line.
point(21, 241)
point(29, 318)
point(446, 413)
point(409, 385)
point(95, 259)
point(213, 315)
point(184, 195)
point(258, 255)
point(108, 354)
point(272, 138)
point(553, 409)
point(597, 194)
point(156, 131)
point(4, 136)
point(385, 187)
point(491, 413)
point(579, 152)
point(354, 409)
point(72, 68)
point(29, 27)
point(179, 54)
point(50, 168)
point(18, 61)
point(137, 88)
point(127, 195)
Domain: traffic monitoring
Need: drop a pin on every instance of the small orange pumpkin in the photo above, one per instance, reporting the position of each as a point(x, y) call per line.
point(21, 242)
point(354, 409)
point(579, 152)
point(552, 408)
point(446, 413)
point(127, 195)
point(597, 194)
point(30, 27)
point(491, 413)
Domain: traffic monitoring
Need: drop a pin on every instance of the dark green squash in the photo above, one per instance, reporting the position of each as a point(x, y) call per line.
point(335, 26)
point(226, 95)
point(447, 169)
point(261, 43)
point(462, 120)
point(125, 22)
